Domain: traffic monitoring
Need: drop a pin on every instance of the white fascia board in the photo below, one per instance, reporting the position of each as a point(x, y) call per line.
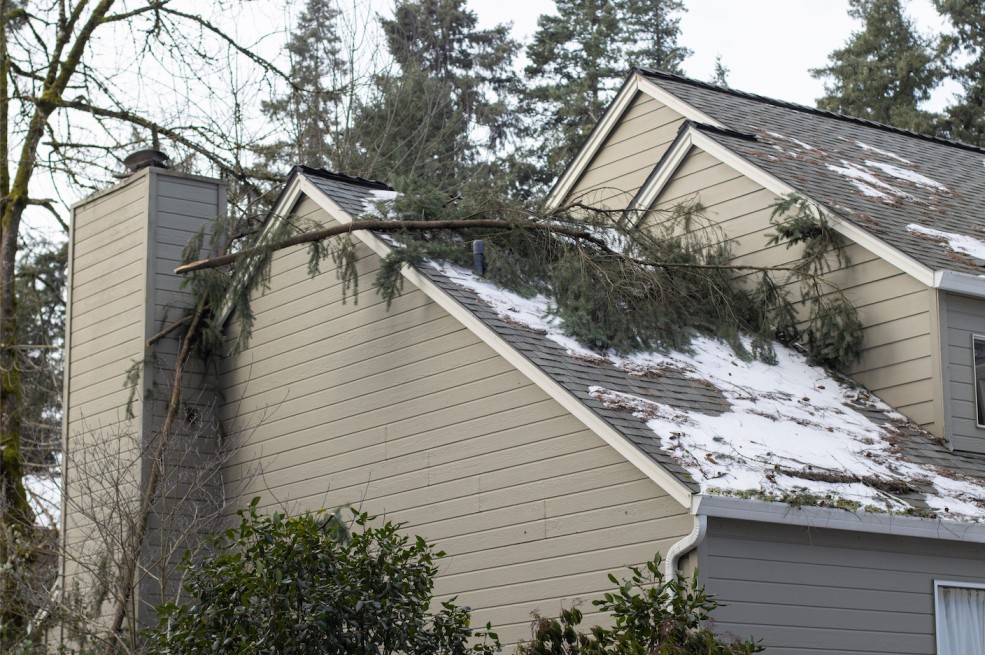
point(963, 283)
point(590, 419)
point(838, 519)
point(651, 189)
point(853, 232)
point(595, 140)
point(665, 97)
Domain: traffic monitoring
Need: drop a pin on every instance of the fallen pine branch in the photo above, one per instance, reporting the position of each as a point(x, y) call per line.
point(389, 226)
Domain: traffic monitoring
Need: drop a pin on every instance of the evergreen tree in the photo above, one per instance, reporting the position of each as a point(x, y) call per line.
point(720, 76)
point(965, 120)
point(576, 65)
point(445, 107)
point(651, 29)
point(884, 72)
point(40, 337)
point(312, 106)
point(578, 60)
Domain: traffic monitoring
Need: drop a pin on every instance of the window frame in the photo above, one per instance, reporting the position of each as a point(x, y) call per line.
point(937, 598)
point(974, 380)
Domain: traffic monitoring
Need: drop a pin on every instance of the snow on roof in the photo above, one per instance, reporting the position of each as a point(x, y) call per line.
point(960, 243)
point(793, 431)
point(908, 175)
point(868, 183)
point(378, 202)
point(884, 153)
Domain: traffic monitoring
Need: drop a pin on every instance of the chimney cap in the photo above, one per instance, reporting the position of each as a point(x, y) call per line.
point(147, 158)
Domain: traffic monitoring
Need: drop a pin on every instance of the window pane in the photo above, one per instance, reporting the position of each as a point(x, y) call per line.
point(961, 621)
point(979, 348)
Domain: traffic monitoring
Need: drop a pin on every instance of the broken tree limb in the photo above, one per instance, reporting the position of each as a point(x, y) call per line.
point(168, 330)
point(149, 492)
point(390, 226)
point(492, 223)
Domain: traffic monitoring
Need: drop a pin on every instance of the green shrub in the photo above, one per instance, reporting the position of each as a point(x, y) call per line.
point(651, 615)
point(307, 584)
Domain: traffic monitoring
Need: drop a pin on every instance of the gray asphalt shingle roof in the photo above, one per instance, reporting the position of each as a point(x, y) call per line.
point(806, 148)
point(576, 374)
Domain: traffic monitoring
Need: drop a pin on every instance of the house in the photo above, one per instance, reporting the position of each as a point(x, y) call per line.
point(827, 518)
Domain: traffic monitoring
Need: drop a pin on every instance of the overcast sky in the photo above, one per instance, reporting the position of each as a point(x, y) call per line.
point(768, 45)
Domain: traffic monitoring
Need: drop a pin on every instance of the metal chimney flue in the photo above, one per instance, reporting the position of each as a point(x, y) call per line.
point(479, 257)
point(148, 158)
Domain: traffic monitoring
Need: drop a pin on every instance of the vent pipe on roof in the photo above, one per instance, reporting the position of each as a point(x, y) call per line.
point(479, 257)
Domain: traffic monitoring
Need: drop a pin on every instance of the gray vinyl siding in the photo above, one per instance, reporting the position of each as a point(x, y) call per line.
point(961, 317)
point(406, 414)
point(899, 355)
point(619, 168)
point(807, 590)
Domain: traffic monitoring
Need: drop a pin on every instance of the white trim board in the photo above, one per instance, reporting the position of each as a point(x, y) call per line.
point(674, 487)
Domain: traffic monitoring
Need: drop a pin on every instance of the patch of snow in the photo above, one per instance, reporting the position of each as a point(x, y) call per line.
point(800, 143)
point(533, 313)
point(379, 202)
point(867, 183)
point(45, 496)
point(908, 175)
point(791, 428)
point(884, 153)
point(957, 242)
point(805, 146)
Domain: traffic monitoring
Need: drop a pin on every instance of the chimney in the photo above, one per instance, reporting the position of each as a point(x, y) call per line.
point(124, 244)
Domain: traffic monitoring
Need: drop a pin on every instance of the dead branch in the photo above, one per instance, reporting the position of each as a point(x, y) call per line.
point(168, 330)
point(130, 559)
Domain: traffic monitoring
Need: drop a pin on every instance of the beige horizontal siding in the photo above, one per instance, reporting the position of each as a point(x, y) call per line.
point(105, 334)
point(898, 356)
point(409, 415)
point(628, 155)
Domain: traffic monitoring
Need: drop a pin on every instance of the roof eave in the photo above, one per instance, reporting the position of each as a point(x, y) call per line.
point(963, 283)
point(610, 119)
point(837, 519)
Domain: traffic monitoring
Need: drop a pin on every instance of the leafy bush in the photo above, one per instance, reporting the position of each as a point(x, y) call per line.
point(307, 584)
point(652, 616)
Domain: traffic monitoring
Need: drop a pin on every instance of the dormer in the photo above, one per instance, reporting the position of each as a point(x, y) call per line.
point(907, 206)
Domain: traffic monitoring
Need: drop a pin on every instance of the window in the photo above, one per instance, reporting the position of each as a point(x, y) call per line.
point(960, 611)
point(978, 348)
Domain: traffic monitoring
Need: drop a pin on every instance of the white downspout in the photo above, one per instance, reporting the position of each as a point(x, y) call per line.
point(684, 546)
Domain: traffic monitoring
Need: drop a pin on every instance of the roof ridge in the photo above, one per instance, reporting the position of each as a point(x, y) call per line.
point(806, 109)
point(342, 177)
